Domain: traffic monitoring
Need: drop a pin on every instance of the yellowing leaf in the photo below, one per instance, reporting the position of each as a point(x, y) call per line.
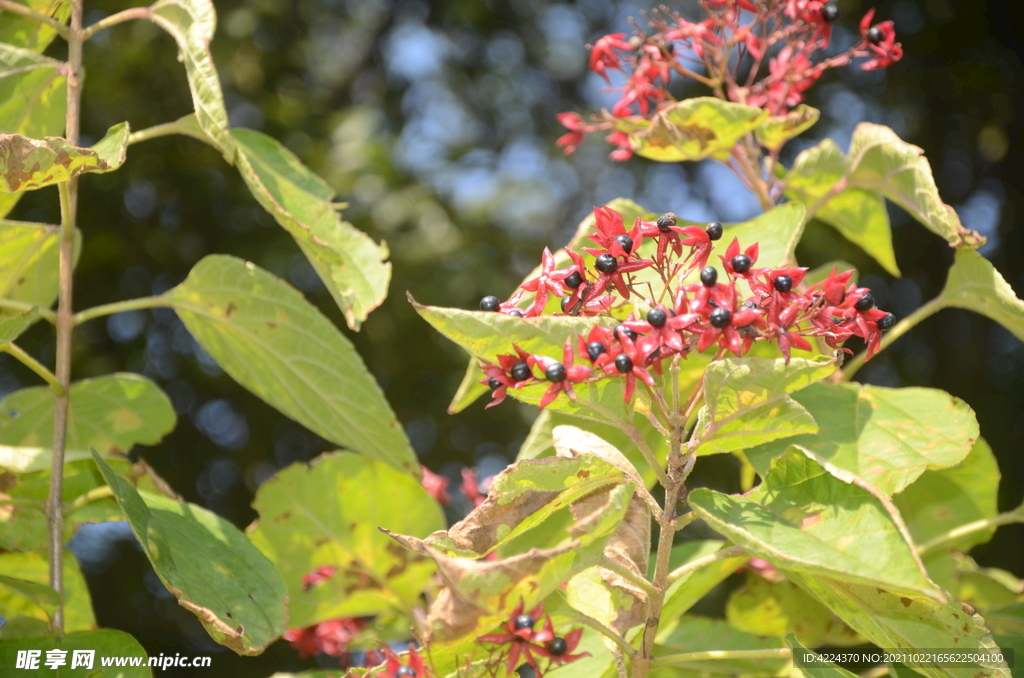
point(776, 130)
point(27, 164)
point(694, 129)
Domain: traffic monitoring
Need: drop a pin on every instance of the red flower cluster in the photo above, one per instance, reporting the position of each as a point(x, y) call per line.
point(685, 317)
point(331, 637)
point(735, 45)
point(524, 642)
point(394, 668)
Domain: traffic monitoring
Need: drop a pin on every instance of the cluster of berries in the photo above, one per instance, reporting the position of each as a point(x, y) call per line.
point(728, 51)
point(683, 317)
point(520, 640)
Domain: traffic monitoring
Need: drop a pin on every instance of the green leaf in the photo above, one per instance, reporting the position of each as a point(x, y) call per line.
point(983, 588)
point(701, 634)
point(777, 232)
point(976, 285)
point(802, 518)
point(28, 262)
point(1015, 644)
point(886, 436)
point(815, 172)
point(776, 130)
point(350, 264)
point(776, 608)
point(20, 31)
point(881, 161)
point(327, 514)
point(44, 597)
point(280, 347)
point(747, 402)
point(27, 164)
point(111, 414)
point(943, 499)
point(1008, 620)
point(192, 24)
point(694, 129)
point(105, 643)
point(208, 565)
point(686, 591)
point(860, 216)
point(907, 622)
point(12, 326)
point(33, 567)
point(808, 666)
point(32, 91)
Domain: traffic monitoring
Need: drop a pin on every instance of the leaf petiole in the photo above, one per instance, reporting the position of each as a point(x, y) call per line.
point(28, 361)
point(1008, 518)
point(686, 657)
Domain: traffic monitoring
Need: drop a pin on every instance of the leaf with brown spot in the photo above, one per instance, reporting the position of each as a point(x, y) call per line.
point(693, 129)
point(28, 164)
point(776, 130)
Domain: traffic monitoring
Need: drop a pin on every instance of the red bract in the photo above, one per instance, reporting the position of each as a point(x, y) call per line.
point(880, 41)
point(330, 637)
point(471, 488)
point(522, 640)
point(730, 255)
point(501, 375)
point(574, 123)
point(435, 485)
point(662, 341)
point(603, 55)
point(573, 374)
point(393, 664)
point(549, 280)
point(551, 648)
point(632, 370)
point(319, 575)
point(624, 147)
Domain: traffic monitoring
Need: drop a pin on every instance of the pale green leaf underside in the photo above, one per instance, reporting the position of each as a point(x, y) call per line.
point(860, 216)
point(209, 566)
point(280, 347)
point(802, 518)
point(327, 513)
point(350, 264)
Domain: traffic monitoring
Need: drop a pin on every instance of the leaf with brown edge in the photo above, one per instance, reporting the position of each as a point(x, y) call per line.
point(776, 130)
point(27, 164)
point(572, 442)
point(694, 129)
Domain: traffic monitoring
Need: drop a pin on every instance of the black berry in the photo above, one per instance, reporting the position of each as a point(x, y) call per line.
point(555, 373)
point(886, 322)
point(606, 263)
point(666, 221)
point(566, 303)
point(749, 304)
point(657, 317)
point(520, 372)
point(714, 230)
point(623, 363)
point(709, 276)
point(625, 242)
point(830, 13)
point(741, 263)
point(516, 314)
point(489, 303)
point(558, 646)
point(524, 621)
point(494, 383)
point(865, 303)
point(595, 349)
point(875, 35)
point(783, 283)
point(621, 330)
point(573, 280)
point(720, 317)
point(405, 671)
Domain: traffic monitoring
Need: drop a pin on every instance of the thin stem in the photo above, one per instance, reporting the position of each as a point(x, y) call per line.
point(92, 495)
point(155, 132)
point(634, 434)
point(620, 664)
point(902, 327)
point(65, 320)
point(118, 307)
point(29, 13)
point(643, 662)
point(629, 575)
point(710, 559)
point(28, 361)
point(687, 657)
point(758, 184)
point(1008, 518)
point(114, 19)
point(685, 519)
point(589, 621)
point(44, 313)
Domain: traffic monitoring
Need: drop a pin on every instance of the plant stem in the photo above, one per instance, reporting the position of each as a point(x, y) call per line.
point(155, 132)
point(686, 519)
point(902, 327)
point(44, 313)
point(1008, 518)
point(118, 307)
point(634, 435)
point(629, 575)
point(114, 19)
point(710, 559)
point(65, 320)
point(29, 13)
point(586, 620)
point(686, 657)
point(34, 365)
point(92, 495)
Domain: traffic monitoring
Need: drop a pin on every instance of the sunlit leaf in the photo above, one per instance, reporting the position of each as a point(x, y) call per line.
point(208, 565)
point(943, 499)
point(686, 591)
point(327, 514)
point(776, 130)
point(804, 519)
point(21, 31)
point(28, 262)
point(861, 217)
point(777, 232)
point(747, 402)
point(280, 347)
point(32, 91)
point(192, 24)
point(44, 597)
point(976, 285)
point(33, 567)
point(701, 634)
point(14, 325)
point(983, 588)
point(1008, 620)
point(27, 164)
point(808, 664)
point(104, 643)
point(350, 264)
point(694, 129)
point(888, 437)
point(110, 414)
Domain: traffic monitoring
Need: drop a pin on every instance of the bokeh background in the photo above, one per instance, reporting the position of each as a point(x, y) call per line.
point(435, 121)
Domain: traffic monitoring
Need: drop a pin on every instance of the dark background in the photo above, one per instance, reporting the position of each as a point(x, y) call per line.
point(436, 122)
